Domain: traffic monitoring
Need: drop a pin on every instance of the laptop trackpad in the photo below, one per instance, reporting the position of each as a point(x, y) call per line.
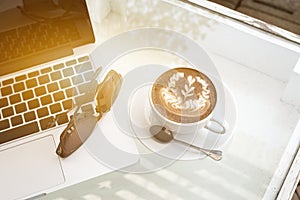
point(29, 168)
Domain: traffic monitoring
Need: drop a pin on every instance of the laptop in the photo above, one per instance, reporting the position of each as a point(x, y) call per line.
point(45, 65)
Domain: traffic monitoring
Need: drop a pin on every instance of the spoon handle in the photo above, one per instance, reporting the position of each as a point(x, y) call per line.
point(214, 154)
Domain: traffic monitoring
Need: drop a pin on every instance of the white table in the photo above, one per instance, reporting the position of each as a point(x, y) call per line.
point(260, 162)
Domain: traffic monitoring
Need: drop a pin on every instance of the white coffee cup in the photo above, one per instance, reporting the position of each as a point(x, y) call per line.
point(209, 123)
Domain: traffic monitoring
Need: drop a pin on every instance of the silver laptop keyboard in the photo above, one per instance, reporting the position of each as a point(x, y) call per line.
point(41, 99)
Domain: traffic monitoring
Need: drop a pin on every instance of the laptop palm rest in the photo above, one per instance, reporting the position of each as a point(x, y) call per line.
point(29, 168)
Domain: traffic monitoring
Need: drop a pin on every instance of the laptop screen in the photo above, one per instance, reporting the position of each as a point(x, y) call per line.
point(33, 32)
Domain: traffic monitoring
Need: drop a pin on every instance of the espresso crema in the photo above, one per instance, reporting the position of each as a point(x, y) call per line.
point(184, 95)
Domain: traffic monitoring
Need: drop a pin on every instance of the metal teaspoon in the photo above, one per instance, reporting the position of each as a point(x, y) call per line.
point(163, 135)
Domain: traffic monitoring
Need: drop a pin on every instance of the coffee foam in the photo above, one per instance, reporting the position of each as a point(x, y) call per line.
point(184, 95)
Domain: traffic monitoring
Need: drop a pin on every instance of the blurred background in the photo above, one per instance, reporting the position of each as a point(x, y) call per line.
point(282, 13)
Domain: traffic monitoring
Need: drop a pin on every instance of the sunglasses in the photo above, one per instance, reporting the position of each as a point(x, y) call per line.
point(84, 118)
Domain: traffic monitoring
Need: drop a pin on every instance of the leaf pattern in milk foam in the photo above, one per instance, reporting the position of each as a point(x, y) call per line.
point(183, 97)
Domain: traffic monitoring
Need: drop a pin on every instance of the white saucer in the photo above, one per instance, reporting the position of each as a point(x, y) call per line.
point(139, 111)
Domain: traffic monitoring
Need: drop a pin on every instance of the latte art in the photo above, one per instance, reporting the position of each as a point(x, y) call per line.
point(184, 95)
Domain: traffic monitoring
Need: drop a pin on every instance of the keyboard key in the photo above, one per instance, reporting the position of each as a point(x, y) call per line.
point(58, 66)
point(3, 102)
point(16, 98)
point(6, 112)
point(68, 72)
point(87, 108)
point(88, 87)
point(62, 118)
point(46, 70)
point(65, 83)
point(4, 124)
point(21, 78)
point(17, 120)
point(42, 112)
point(83, 67)
point(83, 88)
point(33, 74)
point(71, 62)
point(46, 100)
point(18, 87)
point(88, 75)
point(27, 95)
point(76, 80)
point(31, 83)
point(40, 91)
point(6, 91)
point(44, 79)
point(84, 98)
point(32, 104)
point(58, 96)
point(29, 116)
point(20, 108)
point(71, 92)
point(55, 108)
point(7, 82)
point(47, 123)
point(68, 104)
point(82, 59)
point(55, 76)
point(52, 87)
point(18, 132)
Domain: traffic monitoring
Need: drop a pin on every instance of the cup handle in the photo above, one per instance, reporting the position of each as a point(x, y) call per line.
point(216, 131)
